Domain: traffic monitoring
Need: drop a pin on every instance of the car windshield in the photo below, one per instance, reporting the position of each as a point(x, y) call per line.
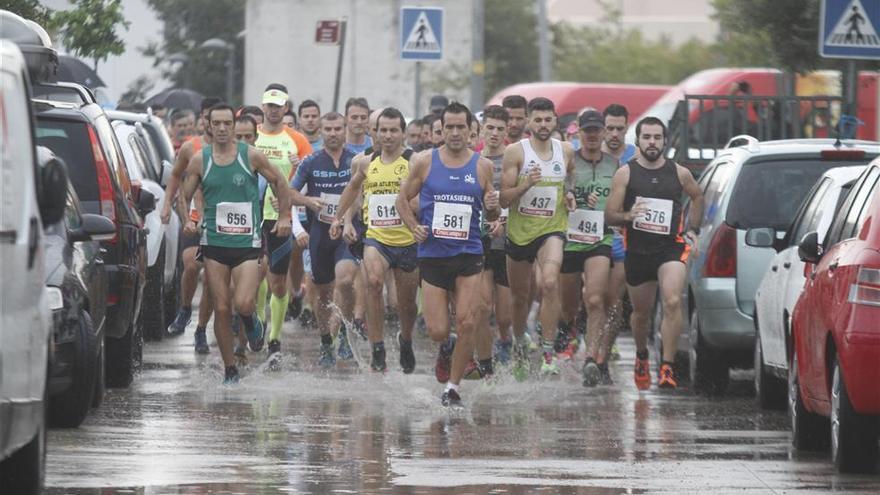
point(768, 193)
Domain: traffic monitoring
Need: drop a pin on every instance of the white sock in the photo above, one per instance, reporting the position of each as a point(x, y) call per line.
point(451, 386)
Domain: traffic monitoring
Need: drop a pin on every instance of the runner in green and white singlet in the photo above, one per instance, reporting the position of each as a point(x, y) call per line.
point(537, 187)
point(226, 172)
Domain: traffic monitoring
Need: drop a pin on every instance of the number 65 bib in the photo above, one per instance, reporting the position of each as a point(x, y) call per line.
point(451, 220)
point(383, 212)
point(235, 218)
point(657, 218)
point(539, 202)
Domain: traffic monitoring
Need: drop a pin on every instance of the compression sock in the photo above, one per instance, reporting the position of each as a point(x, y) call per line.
point(278, 307)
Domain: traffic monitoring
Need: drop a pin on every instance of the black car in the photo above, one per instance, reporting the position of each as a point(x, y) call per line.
point(82, 136)
point(77, 286)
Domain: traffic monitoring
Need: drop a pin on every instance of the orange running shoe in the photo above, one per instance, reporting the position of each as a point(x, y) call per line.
point(642, 375)
point(666, 377)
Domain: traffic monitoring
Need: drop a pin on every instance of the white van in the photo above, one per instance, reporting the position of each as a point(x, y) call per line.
point(29, 198)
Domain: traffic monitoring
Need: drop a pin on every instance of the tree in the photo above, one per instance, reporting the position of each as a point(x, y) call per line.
point(511, 43)
point(188, 24)
point(138, 92)
point(29, 9)
point(89, 29)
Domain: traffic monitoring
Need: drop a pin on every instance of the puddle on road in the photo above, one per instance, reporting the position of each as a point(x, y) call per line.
point(300, 430)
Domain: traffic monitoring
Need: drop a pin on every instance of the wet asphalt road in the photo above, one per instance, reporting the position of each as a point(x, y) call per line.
point(300, 430)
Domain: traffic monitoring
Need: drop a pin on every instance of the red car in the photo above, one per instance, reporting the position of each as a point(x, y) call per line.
point(834, 383)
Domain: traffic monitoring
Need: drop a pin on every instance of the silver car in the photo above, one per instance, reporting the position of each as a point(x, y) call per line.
point(749, 184)
point(784, 282)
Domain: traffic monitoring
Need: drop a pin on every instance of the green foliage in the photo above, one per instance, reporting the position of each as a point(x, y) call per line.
point(189, 23)
point(89, 29)
point(510, 41)
point(29, 9)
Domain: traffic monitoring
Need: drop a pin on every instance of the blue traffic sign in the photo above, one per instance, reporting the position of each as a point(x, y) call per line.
point(421, 33)
point(848, 29)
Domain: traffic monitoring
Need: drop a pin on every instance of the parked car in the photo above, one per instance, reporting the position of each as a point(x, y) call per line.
point(783, 282)
point(32, 197)
point(82, 136)
point(76, 278)
point(749, 184)
point(835, 368)
point(162, 240)
point(157, 139)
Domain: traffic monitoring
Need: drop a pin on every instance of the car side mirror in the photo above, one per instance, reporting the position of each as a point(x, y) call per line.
point(166, 173)
point(762, 237)
point(53, 192)
point(808, 249)
point(146, 202)
point(95, 228)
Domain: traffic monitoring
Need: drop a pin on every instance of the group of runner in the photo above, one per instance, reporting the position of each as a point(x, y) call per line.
point(471, 219)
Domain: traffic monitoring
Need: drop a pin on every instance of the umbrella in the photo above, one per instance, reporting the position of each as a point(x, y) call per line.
point(72, 69)
point(177, 98)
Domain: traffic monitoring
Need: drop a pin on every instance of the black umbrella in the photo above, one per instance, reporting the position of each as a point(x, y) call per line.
point(72, 69)
point(177, 98)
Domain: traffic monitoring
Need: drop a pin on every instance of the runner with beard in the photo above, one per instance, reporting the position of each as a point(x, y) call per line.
point(646, 199)
point(538, 186)
point(518, 121)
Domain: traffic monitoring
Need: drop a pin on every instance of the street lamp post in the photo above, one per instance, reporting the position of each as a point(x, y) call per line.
point(218, 44)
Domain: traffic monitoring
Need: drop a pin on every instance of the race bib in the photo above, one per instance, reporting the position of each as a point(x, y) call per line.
point(658, 217)
point(331, 205)
point(235, 218)
point(586, 226)
point(451, 221)
point(382, 211)
point(539, 202)
point(503, 216)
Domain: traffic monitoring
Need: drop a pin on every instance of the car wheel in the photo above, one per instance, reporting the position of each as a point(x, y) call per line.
point(853, 436)
point(153, 305)
point(770, 391)
point(25, 470)
point(709, 370)
point(101, 375)
point(808, 431)
point(69, 409)
point(121, 358)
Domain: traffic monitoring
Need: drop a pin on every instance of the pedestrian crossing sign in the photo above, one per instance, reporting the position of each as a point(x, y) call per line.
point(421, 33)
point(848, 29)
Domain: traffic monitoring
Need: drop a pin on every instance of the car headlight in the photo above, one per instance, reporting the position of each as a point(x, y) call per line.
point(53, 295)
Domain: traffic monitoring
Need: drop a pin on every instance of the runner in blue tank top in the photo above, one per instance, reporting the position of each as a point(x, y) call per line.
point(453, 184)
point(325, 175)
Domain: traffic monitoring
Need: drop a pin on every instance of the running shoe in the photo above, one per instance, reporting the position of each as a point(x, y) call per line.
point(605, 377)
point(378, 362)
point(570, 350)
point(295, 306)
point(274, 351)
point(178, 326)
point(473, 371)
point(327, 360)
point(255, 337)
point(201, 341)
point(666, 377)
point(307, 318)
point(561, 341)
point(591, 373)
point(344, 350)
point(231, 376)
point(444, 360)
point(550, 365)
point(407, 356)
point(450, 398)
point(360, 328)
point(614, 355)
point(641, 374)
point(240, 354)
point(503, 350)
